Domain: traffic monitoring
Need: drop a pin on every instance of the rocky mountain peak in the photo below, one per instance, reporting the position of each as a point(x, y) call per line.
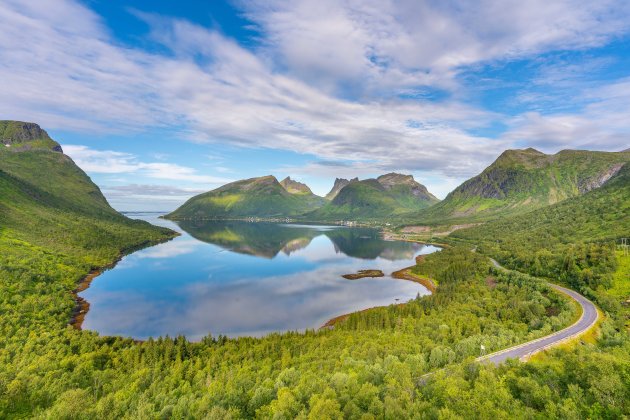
point(295, 187)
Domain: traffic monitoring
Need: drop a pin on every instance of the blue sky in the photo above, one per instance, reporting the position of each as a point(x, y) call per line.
point(160, 100)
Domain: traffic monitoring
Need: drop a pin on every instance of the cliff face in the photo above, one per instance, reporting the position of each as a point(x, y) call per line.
point(599, 179)
point(19, 135)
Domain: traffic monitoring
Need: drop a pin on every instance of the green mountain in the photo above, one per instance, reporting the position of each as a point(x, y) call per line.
point(255, 197)
point(407, 191)
point(388, 195)
point(43, 190)
point(522, 180)
point(598, 215)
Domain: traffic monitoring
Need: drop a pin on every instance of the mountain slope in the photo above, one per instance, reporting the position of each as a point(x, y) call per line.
point(254, 197)
point(388, 195)
point(55, 225)
point(601, 214)
point(522, 180)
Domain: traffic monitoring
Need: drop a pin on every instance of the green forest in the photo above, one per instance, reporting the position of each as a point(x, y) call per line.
point(415, 360)
point(369, 366)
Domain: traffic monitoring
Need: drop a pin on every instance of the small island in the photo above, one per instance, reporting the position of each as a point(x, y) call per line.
point(363, 273)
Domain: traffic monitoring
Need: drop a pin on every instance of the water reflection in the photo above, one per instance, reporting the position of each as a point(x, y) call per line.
point(238, 278)
point(268, 239)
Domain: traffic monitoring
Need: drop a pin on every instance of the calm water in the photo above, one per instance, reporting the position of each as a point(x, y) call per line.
point(240, 278)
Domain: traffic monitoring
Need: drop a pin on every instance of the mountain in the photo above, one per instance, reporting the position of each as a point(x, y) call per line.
point(255, 197)
point(388, 195)
point(600, 214)
point(338, 185)
point(522, 180)
point(18, 135)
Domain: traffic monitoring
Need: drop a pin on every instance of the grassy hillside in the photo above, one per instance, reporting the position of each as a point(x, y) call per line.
point(256, 197)
point(522, 180)
point(390, 195)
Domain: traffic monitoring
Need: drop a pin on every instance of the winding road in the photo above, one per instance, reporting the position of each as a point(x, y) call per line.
point(589, 317)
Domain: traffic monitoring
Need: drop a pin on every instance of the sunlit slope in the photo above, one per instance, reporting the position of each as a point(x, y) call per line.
point(522, 180)
point(255, 197)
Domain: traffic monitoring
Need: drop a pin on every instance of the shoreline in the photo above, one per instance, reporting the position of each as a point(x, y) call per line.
point(82, 306)
point(402, 274)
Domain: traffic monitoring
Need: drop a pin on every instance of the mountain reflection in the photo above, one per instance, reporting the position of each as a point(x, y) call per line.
point(261, 239)
point(266, 240)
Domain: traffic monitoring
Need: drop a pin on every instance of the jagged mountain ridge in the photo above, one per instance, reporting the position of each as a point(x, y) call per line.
point(265, 197)
point(388, 195)
point(338, 186)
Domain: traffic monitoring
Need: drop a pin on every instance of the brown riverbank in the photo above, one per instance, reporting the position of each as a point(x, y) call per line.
point(407, 274)
point(82, 306)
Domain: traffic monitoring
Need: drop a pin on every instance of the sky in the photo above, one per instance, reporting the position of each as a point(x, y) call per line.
point(161, 100)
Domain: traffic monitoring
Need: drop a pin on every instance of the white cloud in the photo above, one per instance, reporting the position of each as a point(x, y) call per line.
point(386, 43)
point(111, 162)
point(324, 83)
point(602, 124)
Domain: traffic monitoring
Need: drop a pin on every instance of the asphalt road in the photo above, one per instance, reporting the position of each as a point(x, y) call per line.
point(523, 351)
